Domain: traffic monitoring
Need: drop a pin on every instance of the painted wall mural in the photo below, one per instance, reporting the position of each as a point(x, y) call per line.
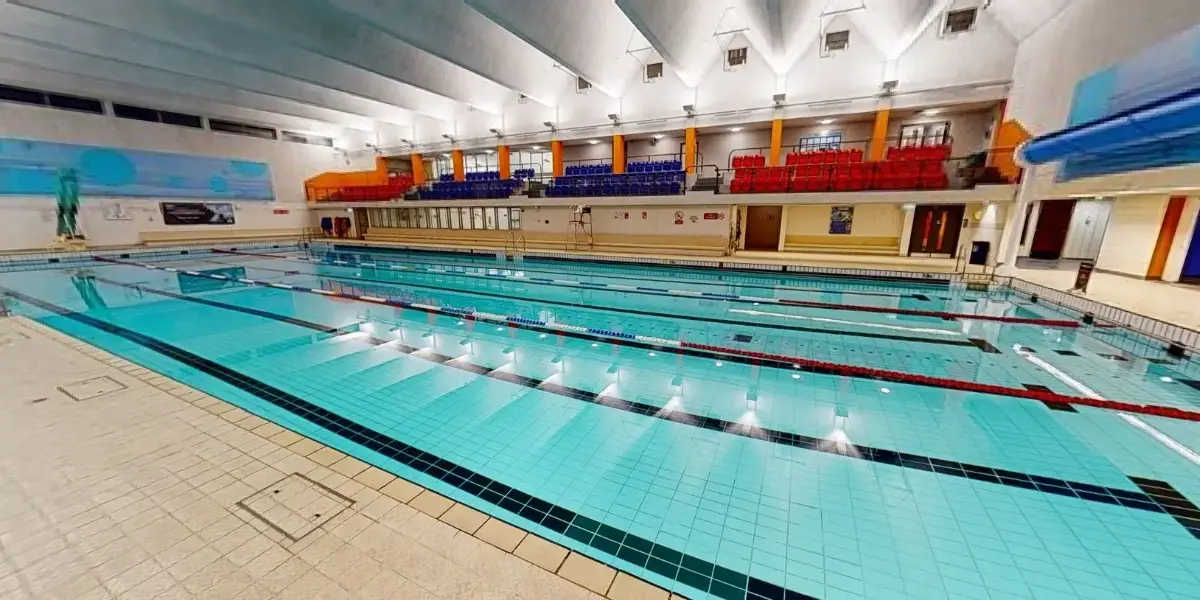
point(31, 168)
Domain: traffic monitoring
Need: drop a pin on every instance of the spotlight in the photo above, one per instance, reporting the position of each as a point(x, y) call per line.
point(550, 125)
point(779, 99)
point(689, 109)
point(496, 132)
point(615, 118)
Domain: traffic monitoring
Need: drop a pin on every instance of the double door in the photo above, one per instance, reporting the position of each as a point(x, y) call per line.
point(936, 229)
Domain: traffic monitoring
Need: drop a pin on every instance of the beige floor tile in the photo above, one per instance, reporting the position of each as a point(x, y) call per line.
point(286, 438)
point(402, 490)
point(374, 478)
point(500, 534)
point(305, 447)
point(541, 552)
point(464, 517)
point(588, 573)
point(625, 587)
point(267, 430)
point(326, 456)
point(431, 503)
point(349, 466)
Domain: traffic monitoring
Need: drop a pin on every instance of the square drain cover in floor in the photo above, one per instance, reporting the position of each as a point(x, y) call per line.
point(91, 388)
point(296, 505)
point(743, 338)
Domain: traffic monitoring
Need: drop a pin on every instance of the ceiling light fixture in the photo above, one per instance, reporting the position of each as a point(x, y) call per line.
point(735, 129)
point(490, 151)
point(658, 136)
point(929, 112)
point(536, 147)
point(593, 142)
point(826, 121)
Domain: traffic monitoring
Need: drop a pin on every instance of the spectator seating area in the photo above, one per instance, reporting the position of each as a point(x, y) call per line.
point(468, 190)
point(483, 176)
point(395, 188)
point(578, 170)
point(915, 168)
point(523, 173)
point(655, 166)
point(628, 184)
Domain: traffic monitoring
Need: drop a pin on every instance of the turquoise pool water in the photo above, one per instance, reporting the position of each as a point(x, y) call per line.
point(703, 473)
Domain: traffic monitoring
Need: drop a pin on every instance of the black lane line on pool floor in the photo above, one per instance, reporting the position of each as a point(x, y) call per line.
point(672, 564)
point(1051, 485)
point(645, 313)
point(521, 267)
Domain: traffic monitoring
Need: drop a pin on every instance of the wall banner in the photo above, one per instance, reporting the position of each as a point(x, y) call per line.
point(197, 213)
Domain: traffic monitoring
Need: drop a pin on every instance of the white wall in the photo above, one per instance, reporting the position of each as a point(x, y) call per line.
point(632, 220)
point(1133, 227)
point(29, 223)
point(290, 163)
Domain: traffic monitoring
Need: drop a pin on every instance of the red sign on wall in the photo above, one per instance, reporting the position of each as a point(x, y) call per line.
point(712, 216)
point(281, 211)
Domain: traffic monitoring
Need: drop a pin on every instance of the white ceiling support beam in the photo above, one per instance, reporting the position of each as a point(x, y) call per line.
point(324, 30)
point(457, 34)
point(910, 33)
point(76, 36)
point(54, 59)
point(165, 22)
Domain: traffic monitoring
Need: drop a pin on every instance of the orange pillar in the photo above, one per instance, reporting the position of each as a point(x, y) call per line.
point(689, 149)
point(418, 168)
point(556, 159)
point(618, 153)
point(879, 135)
point(502, 158)
point(456, 160)
point(776, 142)
point(1166, 236)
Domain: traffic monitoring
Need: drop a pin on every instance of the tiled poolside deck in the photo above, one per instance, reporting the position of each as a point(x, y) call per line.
point(117, 482)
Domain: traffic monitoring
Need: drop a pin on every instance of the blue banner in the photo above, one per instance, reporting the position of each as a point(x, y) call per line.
point(32, 168)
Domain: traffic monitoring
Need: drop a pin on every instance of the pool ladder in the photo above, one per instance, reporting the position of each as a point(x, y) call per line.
point(518, 245)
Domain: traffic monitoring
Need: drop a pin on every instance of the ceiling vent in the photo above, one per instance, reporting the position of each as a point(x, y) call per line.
point(735, 57)
point(837, 41)
point(960, 21)
point(654, 71)
point(582, 85)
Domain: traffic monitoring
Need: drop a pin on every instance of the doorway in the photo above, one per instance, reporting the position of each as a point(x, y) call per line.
point(762, 227)
point(936, 229)
point(361, 224)
point(1053, 224)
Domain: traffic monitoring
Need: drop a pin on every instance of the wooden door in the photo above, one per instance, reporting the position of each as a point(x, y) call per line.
point(762, 227)
point(1054, 222)
point(936, 229)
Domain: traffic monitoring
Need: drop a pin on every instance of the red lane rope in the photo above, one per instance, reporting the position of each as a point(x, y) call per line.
point(931, 313)
point(838, 368)
point(958, 384)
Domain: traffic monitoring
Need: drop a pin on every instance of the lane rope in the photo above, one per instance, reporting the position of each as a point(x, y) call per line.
point(781, 361)
point(684, 293)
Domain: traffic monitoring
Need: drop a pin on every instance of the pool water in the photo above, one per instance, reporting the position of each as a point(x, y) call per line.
point(607, 415)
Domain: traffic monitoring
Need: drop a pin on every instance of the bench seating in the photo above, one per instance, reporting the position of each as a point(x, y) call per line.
point(842, 244)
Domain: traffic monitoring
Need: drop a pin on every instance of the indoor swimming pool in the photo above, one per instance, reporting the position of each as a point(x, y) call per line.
point(720, 433)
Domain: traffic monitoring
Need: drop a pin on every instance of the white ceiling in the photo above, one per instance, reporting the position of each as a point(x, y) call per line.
point(423, 67)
